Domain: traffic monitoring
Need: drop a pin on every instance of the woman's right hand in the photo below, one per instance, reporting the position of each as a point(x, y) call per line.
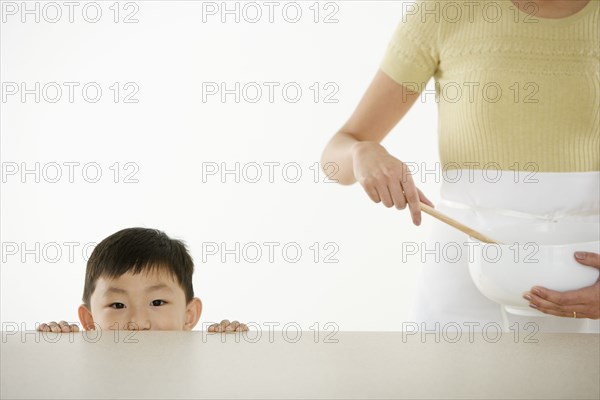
point(62, 326)
point(387, 179)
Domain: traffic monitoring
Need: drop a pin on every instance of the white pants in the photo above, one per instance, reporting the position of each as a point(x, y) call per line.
point(445, 293)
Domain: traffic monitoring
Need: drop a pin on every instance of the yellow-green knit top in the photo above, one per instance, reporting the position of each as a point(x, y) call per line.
point(513, 91)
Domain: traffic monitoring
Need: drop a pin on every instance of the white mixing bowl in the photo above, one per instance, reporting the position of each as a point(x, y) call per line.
point(535, 254)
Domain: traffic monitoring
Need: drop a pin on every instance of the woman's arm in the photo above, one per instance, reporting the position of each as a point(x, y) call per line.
point(355, 148)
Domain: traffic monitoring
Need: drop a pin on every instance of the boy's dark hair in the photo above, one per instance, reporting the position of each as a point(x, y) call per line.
point(139, 250)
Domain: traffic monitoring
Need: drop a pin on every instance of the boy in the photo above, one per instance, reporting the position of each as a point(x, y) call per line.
point(140, 279)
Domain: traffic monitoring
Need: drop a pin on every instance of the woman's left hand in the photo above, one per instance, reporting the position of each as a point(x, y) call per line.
point(585, 302)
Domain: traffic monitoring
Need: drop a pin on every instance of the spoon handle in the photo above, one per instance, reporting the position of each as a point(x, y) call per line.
point(463, 228)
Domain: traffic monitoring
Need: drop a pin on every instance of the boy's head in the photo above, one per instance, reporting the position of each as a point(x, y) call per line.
point(139, 278)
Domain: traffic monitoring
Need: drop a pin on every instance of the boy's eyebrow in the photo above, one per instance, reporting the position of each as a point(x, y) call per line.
point(157, 287)
point(113, 289)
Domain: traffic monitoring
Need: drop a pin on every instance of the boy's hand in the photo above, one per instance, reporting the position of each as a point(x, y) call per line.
point(62, 326)
point(226, 326)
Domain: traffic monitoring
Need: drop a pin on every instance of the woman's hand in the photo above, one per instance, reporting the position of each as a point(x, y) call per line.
point(387, 179)
point(585, 302)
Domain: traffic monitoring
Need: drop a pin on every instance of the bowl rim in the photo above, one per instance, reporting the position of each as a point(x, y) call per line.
point(554, 246)
point(537, 223)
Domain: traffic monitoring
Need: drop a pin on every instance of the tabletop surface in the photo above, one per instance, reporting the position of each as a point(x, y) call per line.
point(305, 364)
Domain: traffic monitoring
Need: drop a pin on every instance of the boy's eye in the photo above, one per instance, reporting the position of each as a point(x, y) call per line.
point(117, 305)
point(158, 303)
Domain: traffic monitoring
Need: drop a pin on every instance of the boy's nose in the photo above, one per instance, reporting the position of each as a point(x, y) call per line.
point(138, 322)
point(138, 325)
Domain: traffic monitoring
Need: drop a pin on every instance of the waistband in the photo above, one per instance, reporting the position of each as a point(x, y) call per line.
point(544, 196)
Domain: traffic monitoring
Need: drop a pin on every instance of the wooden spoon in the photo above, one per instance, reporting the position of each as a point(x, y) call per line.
point(446, 219)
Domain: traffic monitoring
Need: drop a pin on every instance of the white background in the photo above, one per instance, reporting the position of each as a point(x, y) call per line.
point(170, 132)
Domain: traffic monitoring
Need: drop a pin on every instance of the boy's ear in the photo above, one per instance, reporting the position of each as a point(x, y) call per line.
point(85, 317)
point(192, 314)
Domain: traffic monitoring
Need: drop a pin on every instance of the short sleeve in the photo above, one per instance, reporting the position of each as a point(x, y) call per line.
point(412, 56)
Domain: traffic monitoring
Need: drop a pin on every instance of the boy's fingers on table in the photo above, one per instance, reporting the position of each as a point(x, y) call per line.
point(228, 327)
point(53, 327)
point(232, 326)
point(224, 324)
point(216, 328)
point(62, 326)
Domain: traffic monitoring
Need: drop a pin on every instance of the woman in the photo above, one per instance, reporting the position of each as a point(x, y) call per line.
point(518, 91)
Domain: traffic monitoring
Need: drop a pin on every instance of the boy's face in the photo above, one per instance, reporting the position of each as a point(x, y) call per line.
point(149, 300)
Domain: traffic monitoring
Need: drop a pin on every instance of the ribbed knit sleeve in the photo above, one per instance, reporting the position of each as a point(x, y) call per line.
point(412, 55)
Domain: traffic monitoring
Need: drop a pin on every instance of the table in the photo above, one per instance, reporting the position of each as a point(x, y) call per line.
point(298, 364)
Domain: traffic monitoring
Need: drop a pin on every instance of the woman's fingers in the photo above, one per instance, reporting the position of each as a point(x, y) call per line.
point(397, 194)
point(388, 180)
point(585, 301)
point(424, 199)
point(384, 195)
point(413, 200)
point(372, 192)
point(589, 259)
point(399, 191)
